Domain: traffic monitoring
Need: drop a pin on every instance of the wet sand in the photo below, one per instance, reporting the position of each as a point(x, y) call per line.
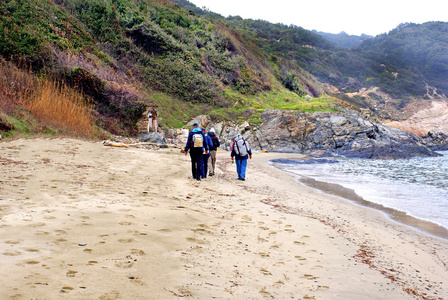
point(83, 221)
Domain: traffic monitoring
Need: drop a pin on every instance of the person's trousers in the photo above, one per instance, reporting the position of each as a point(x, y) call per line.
point(197, 163)
point(241, 165)
point(205, 168)
point(212, 162)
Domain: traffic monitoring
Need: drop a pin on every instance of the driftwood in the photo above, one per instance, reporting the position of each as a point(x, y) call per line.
point(116, 144)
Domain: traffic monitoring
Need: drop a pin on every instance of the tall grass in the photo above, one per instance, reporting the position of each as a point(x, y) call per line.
point(51, 104)
point(15, 86)
point(60, 107)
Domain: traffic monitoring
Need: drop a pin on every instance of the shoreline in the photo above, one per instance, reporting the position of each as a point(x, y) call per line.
point(84, 221)
point(424, 226)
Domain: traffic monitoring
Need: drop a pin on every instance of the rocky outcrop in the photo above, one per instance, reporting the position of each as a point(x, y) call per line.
point(436, 140)
point(325, 133)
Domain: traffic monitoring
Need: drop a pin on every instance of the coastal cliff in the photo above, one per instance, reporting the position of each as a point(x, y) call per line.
point(344, 133)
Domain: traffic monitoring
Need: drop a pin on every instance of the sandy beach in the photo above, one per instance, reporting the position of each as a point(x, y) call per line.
point(80, 220)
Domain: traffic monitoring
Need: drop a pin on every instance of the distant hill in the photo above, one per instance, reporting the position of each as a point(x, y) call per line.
point(342, 39)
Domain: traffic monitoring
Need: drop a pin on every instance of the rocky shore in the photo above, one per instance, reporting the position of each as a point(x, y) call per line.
point(344, 133)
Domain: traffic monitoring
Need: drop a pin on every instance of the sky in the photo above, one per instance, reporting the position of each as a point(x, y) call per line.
point(354, 17)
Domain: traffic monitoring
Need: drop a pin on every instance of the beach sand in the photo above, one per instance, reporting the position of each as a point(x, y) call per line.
point(80, 220)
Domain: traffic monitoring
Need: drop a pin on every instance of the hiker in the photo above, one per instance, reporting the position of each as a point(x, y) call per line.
point(152, 120)
point(197, 146)
point(240, 152)
point(213, 149)
point(149, 121)
point(206, 155)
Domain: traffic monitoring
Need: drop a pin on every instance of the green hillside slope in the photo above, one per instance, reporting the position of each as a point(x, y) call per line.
point(124, 55)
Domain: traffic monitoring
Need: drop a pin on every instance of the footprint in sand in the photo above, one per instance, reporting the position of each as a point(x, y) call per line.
point(71, 273)
point(309, 276)
point(129, 240)
point(13, 242)
point(246, 218)
point(32, 250)
point(279, 283)
point(266, 294)
point(300, 257)
point(12, 253)
point(66, 289)
point(137, 252)
point(125, 223)
point(201, 231)
point(124, 264)
point(265, 272)
point(60, 240)
point(193, 240)
point(299, 243)
point(40, 232)
point(263, 254)
point(110, 296)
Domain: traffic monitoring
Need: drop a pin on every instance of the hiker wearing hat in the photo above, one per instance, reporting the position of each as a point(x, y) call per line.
point(213, 149)
point(197, 146)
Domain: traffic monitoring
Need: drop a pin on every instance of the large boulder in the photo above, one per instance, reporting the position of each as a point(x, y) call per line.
point(152, 137)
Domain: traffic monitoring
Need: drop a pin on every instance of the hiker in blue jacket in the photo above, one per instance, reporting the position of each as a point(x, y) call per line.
point(197, 146)
point(240, 152)
point(209, 143)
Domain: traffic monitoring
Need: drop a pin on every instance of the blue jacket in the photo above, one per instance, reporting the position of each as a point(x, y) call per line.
point(209, 142)
point(190, 139)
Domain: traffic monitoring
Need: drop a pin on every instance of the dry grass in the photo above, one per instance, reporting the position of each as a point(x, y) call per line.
point(60, 107)
point(51, 104)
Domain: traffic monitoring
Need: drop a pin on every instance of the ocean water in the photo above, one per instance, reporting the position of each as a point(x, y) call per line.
point(417, 187)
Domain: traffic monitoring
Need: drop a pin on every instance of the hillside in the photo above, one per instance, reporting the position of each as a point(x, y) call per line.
point(123, 56)
point(342, 39)
point(119, 57)
point(389, 74)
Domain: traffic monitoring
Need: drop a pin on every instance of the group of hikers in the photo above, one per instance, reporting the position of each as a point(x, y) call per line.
point(203, 146)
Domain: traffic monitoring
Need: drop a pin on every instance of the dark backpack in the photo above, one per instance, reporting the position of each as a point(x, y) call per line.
point(215, 142)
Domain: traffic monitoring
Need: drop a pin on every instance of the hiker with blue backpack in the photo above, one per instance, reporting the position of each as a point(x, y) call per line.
point(197, 146)
point(240, 153)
